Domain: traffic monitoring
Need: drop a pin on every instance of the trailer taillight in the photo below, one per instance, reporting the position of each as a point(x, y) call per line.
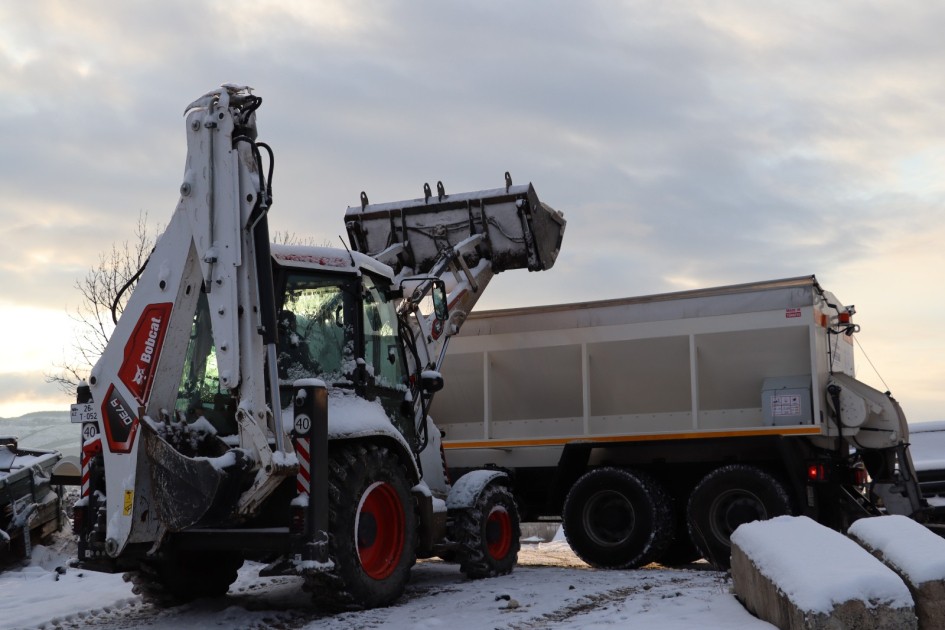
point(860, 476)
point(816, 472)
point(845, 317)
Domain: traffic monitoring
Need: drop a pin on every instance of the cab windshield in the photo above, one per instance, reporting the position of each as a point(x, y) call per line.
point(316, 330)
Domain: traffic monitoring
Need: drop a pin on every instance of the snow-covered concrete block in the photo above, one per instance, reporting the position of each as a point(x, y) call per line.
point(913, 552)
point(795, 573)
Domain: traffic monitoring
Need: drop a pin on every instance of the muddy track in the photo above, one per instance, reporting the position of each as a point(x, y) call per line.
point(582, 606)
point(596, 601)
point(278, 613)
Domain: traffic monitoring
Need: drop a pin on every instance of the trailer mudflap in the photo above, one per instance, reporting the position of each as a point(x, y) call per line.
point(192, 491)
point(510, 227)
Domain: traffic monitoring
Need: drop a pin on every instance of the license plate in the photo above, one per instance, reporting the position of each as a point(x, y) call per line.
point(84, 412)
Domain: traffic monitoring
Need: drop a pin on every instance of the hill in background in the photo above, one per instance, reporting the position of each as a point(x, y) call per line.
point(46, 430)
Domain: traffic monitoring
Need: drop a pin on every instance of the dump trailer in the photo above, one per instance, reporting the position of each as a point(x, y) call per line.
point(29, 504)
point(653, 426)
point(270, 402)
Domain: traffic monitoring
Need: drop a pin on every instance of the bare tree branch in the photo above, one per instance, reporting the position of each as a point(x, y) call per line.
point(98, 291)
point(289, 238)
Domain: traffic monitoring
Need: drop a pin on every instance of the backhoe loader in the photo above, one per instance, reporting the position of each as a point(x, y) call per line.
point(269, 402)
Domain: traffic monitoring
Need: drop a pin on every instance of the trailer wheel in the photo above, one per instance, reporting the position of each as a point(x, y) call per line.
point(488, 534)
point(617, 519)
point(726, 498)
point(180, 576)
point(372, 529)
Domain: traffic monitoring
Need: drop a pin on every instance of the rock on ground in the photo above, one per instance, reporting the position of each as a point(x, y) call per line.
point(916, 554)
point(795, 573)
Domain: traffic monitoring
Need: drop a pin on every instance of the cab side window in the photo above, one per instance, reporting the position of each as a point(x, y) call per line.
point(382, 352)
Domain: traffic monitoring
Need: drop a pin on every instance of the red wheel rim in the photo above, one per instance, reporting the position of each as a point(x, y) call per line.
point(498, 533)
point(379, 530)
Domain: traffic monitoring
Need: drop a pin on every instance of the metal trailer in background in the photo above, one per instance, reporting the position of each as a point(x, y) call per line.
point(653, 426)
point(29, 504)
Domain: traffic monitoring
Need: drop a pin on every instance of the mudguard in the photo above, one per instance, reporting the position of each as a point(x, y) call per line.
point(351, 418)
point(465, 492)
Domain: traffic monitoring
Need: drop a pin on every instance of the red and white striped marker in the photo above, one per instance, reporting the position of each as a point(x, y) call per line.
point(303, 453)
point(90, 449)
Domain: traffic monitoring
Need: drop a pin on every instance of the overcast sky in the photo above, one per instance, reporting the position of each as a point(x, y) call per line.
point(688, 145)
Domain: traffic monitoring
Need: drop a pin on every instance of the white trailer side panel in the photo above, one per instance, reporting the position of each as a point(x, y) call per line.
point(666, 366)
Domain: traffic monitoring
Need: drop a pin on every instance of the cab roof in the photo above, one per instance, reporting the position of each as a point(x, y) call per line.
point(328, 259)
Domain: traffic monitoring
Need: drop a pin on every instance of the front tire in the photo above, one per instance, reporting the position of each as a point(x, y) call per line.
point(726, 498)
point(617, 519)
point(372, 529)
point(489, 534)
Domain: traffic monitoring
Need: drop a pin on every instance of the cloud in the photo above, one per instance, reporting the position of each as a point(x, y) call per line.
point(688, 144)
point(24, 392)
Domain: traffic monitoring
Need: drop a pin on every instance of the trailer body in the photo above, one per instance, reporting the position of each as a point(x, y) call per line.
point(679, 391)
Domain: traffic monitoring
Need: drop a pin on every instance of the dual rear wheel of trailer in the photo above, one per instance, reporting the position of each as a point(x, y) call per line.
point(625, 518)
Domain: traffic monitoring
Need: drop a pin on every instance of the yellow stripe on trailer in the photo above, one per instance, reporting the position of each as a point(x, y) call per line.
point(460, 444)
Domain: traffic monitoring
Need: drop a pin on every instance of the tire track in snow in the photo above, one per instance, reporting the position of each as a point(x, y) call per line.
point(255, 604)
point(582, 606)
point(591, 603)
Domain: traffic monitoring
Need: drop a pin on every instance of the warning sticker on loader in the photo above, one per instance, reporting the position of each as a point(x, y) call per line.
point(129, 502)
point(786, 405)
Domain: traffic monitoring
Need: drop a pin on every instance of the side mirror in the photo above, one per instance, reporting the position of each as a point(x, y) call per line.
point(431, 381)
point(440, 306)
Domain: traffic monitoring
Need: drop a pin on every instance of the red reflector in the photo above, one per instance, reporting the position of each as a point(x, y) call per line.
point(816, 472)
point(860, 476)
point(844, 317)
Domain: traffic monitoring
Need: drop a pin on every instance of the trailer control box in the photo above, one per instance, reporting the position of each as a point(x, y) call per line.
point(785, 400)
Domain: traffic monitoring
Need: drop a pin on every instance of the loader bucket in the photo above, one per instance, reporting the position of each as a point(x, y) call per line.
point(517, 230)
point(191, 491)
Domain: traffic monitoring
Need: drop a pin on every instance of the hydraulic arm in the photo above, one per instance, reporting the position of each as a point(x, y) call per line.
point(216, 244)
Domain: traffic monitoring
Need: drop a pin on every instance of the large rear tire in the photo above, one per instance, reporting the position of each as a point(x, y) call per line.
point(180, 576)
point(726, 498)
point(372, 529)
point(617, 519)
point(489, 534)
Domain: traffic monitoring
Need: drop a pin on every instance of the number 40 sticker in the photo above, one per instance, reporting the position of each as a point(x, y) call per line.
point(89, 431)
point(302, 424)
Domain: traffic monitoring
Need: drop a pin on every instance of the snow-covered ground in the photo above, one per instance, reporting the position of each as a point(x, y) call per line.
point(550, 588)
